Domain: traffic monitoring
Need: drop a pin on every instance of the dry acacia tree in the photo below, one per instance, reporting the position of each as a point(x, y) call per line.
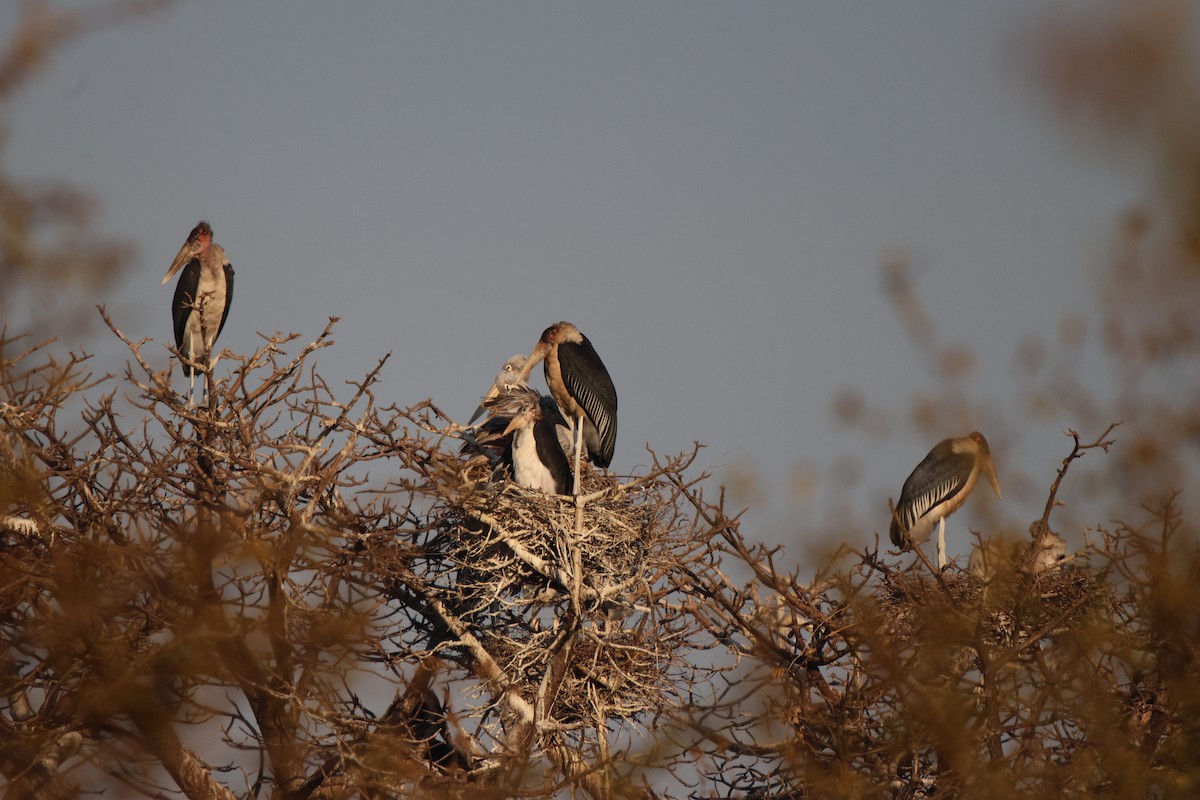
point(291, 594)
point(295, 594)
point(1034, 672)
point(298, 592)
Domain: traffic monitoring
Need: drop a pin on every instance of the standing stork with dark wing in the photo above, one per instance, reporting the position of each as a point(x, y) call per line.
point(938, 487)
point(582, 388)
point(201, 303)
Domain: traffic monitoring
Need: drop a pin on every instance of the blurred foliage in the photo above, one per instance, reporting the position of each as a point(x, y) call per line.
point(1129, 79)
point(297, 593)
point(52, 261)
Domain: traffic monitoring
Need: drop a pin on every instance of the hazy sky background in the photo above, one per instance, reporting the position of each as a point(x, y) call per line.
point(705, 188)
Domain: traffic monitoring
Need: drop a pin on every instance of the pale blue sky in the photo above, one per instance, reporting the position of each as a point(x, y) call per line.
point(705, 188)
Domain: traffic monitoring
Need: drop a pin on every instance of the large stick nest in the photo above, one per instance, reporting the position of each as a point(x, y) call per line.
point(539, 573)
point(1011, 605)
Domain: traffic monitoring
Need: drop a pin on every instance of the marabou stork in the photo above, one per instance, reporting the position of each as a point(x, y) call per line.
point(534, 452)
point(492, 435)
point(582, 388)
point(506, 378)
point(201, 303)
point(938, 487)
point(420, 716)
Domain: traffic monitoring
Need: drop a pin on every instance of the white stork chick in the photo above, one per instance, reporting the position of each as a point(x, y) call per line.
point(507, 378)
point(1047, 551)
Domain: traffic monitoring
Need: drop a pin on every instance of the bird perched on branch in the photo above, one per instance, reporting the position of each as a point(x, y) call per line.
point(201, 303)
point(938, 487)
point(581, 386)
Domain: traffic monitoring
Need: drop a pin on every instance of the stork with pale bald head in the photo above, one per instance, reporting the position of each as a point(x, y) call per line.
point(506, 378)
point(938, 487)
point(508, 396)
point(201, 302)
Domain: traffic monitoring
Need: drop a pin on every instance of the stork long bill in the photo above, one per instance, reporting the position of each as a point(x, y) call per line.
point(989, 469)
point(518, 420)
point(185, 254)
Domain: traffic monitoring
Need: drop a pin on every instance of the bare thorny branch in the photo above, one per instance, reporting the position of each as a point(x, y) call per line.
point(222, 601)
point(248, 522)
point(256, 559)
point(1101, 442)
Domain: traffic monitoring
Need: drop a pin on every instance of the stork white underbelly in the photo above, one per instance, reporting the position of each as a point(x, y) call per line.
point(528, 469)
point(200, 332)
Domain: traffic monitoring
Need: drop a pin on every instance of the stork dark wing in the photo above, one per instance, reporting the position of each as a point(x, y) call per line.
point(182, 305)
point(551, 454)
point(551, 411)
point(589, 384)
point(228, 298)
point(941, 475)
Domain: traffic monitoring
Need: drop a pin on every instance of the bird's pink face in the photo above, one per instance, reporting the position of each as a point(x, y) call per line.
point(203, 239)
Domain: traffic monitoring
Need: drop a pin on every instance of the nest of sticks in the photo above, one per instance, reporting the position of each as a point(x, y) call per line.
point(1012, 605)
point(532, 568)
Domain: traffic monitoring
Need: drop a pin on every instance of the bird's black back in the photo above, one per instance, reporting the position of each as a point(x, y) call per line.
point(551, 454)
point(588, 382)
point(228, 297)
point(185, 296)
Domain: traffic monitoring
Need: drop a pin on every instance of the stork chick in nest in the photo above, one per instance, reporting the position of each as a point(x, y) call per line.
point(533, 421)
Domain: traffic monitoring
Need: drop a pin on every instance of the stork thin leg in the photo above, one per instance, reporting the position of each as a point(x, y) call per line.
point(211, 360)
point(192, 384)
point(577, 431)
point(208, 377)
point(942, 543)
